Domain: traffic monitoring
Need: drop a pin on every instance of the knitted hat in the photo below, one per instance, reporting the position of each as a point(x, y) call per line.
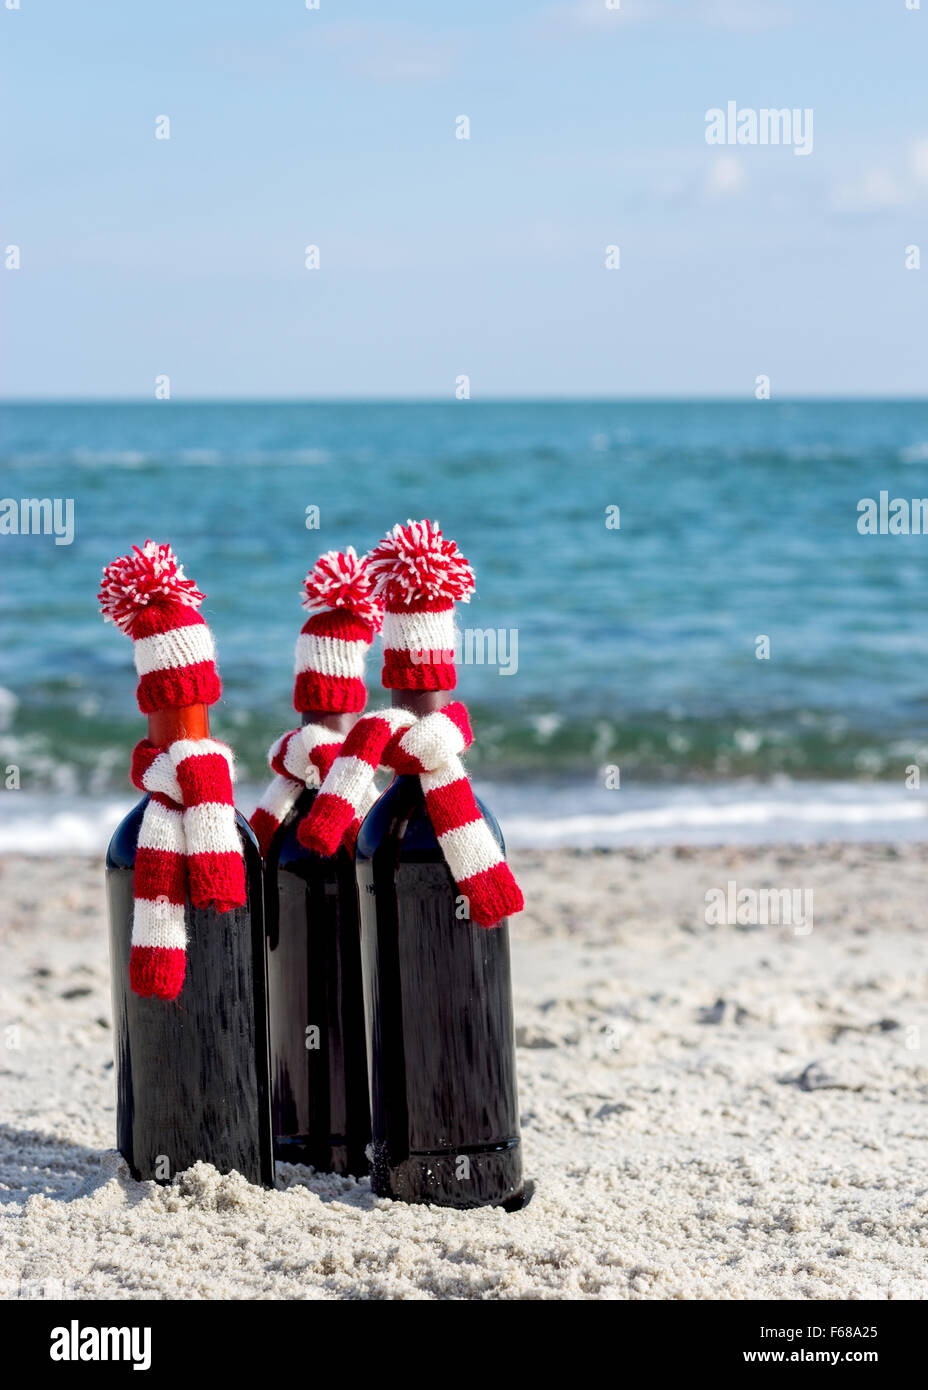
point(419, 576)
point(147, 595)
point(331, 650)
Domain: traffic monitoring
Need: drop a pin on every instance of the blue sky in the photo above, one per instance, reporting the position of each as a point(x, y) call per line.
point(439, 256)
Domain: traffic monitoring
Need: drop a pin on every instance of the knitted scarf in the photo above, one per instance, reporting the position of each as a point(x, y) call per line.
point(428, 747)
point(301, 759)
point(188, 845)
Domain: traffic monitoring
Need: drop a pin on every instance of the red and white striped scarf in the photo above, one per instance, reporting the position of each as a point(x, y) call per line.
point(428, 747)
point(188, 848)
point(301, 760)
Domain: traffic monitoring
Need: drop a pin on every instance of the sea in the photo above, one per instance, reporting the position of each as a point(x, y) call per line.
point(682, 631)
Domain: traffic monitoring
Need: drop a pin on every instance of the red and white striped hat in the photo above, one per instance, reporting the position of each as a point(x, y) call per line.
point(419, 576)
point(148, 596)
point(331, 650)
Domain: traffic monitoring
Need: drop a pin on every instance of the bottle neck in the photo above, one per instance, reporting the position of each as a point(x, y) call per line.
point(166, 726)
point(418, 702)
point(421, 702)
point(338, 723)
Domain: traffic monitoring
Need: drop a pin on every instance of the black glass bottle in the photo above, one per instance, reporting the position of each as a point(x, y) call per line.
point(320, 1107)
point(192, 1074)
point(438, 1015)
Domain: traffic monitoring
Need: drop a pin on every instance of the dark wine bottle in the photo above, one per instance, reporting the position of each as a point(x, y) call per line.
point(321, 1111)
point(320, 1106)
point(192, 1074)
point(438, 1015)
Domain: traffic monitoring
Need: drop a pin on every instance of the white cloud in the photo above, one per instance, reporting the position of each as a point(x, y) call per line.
point(884, 185)
point(873, 190)
point(381, 51)
point(384, 52)
point(918, 159)
point(597, 16)
point(744, 14)
point(726, 176)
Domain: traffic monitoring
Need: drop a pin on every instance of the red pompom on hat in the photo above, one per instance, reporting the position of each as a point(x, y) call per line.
point(148, 596)
point(332, 648)
point(419, 576)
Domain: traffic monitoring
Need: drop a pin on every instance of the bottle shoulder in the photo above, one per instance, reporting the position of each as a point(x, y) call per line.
point(121, 850)
point(120, 853)
point(400, 818)
point(285, 850)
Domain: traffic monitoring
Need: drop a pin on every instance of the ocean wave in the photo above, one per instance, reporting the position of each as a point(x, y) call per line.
point(739, 822)
point(566, 816)
point(43, 826)
point(782, 811)
point(74, 741)
point(8, 705)
point(170, 458)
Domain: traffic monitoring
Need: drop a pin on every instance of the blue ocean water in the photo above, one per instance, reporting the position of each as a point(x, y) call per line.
point(636, 647)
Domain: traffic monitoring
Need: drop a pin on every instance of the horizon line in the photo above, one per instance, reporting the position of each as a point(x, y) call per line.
point(643, 399)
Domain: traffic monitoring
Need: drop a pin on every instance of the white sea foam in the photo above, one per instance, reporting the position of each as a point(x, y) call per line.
point(740, 822)
point(196, 458)
point(720, 813)
point(45, 824)
point(8, 703)
point(572, 816)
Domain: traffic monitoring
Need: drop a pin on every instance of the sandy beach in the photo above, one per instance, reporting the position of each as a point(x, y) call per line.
point(709, 1111)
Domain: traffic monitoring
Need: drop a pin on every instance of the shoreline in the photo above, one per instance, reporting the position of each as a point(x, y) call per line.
point(566, 815)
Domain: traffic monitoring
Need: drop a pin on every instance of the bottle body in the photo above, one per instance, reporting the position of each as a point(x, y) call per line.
point(192, 1074)
point(320, 1106)
point(438, 1019)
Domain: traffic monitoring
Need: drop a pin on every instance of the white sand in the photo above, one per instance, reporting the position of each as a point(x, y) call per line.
point(674, 1155)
